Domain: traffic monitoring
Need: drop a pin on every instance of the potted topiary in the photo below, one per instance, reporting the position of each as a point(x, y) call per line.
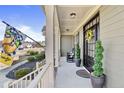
point(97, 76)
point(77, 59)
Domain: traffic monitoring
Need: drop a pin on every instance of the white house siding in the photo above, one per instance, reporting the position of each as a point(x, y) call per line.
point(78, 38)
point(66, 44)
point(112, 37)
point(81, 44)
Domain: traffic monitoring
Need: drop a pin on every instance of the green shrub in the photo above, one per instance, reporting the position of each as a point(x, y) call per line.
point(37, 57)
point(32, 52)
point(40, 57)
point(22, 72)
point(28, 52)
point(31, 59)
point(43, 54)
point(97, 67)
point(77, 51)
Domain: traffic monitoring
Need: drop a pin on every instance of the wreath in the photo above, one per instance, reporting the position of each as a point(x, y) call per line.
point(89, 35)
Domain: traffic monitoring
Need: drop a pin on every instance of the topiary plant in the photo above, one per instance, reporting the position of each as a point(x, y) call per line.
point(97, 67)
point(77, 51)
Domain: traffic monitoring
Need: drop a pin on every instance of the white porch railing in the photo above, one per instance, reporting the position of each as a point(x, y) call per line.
point(37, 78)
point(43, 79)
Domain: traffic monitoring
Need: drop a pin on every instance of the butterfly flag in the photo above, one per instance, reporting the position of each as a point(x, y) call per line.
point(11, 42)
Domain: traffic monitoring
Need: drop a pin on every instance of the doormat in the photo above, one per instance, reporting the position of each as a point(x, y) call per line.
point(83, 73)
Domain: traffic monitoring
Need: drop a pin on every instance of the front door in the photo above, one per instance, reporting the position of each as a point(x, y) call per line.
point(89, 44)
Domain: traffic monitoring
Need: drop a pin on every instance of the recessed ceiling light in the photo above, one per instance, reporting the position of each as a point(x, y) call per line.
point(67, 29)
point(72, 15)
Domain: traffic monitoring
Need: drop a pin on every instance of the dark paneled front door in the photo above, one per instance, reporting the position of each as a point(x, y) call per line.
point(89, 46)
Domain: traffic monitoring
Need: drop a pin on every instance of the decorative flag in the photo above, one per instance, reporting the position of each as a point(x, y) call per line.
point(12, 40)
point(6, 59)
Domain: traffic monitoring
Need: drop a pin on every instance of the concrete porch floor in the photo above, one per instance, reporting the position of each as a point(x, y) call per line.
point(66, 76)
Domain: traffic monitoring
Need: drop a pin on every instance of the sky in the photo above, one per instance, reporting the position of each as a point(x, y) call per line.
point(28, 19)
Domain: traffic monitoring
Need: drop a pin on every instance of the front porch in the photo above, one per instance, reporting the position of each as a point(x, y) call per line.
point(61, 38)
point(66, 76)
point(59, 41)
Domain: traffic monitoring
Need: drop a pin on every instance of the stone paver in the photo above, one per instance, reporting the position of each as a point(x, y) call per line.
point(66, 76)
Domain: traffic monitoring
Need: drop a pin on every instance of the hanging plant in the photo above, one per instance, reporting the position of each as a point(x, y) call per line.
point(89, 35)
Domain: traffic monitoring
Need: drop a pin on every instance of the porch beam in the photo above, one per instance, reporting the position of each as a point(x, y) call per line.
point(86, 18)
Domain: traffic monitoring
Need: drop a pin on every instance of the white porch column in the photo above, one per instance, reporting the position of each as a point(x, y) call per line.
point(57, 49)
point(56, 38)
point(49, 9)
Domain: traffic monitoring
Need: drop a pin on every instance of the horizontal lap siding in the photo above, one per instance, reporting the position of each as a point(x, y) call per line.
point(81, 44)
point(66, 44)
point(112, 36)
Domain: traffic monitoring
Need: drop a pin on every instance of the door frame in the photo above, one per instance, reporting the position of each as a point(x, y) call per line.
point(96, 25)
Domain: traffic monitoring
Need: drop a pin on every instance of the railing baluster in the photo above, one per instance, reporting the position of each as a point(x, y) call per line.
point(48, 78)
point(41, 78)
point(21, 86)
point(23, 82)
point(26, 80)
point(47, 84)
point(45, 79)
point(40, 83)
point(17, 85)
point(38, 78)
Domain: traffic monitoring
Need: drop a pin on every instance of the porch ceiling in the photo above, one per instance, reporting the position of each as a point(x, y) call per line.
point(69, 23)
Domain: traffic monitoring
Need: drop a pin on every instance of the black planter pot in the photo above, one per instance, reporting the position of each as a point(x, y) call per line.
point(98, 82)
point(78, 62)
